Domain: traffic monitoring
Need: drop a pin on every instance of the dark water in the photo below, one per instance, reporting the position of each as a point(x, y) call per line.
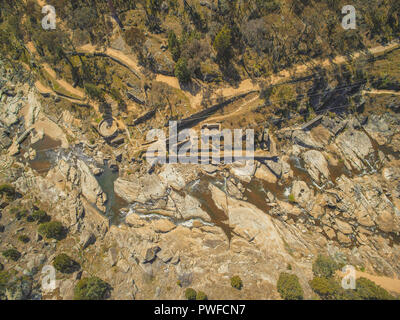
point(199, 190)
point(256, 193)
point(114, 203)
point(46, 154)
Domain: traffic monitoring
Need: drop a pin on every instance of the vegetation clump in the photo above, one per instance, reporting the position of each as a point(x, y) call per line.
point(92, 288)
point(289, 287)
point(52, 230)
point(236, 282)
point(23, 238)
point(65, 264)
point(8, 190)
point(201, 296)
point(190, 294)
point(324, 266)
point(12, 254)
point(40, 216)
point(223, 43)
point(181, 70)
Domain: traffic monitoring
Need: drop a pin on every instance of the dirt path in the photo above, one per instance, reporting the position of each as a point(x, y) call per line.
point(247, 84)
point(235, 113)
point(64, 84)
point(391, 92)
point(42, 88)
point(392, 285)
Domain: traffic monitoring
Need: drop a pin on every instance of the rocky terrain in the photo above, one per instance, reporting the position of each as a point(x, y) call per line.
point(333, 187)
point(77, 104)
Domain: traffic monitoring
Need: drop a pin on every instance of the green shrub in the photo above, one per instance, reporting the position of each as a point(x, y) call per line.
point(291, 198)
point(40, 216)
point(23, 238)
point(94, 92)
point(1, 267)
point(330, 289)
point(12, 254)
point(18, 212)
point(7, 189)
point(91, 289)
point(65, 264)
point(52, 230)
point(4, 280)
point(324, 266)
point(368, 290)
point(173, 46)
point(222, 43)
point(327, 289)
point(236, 282)
point(201, 296)
point(190, 294)
point(181, 70)
point(289, 287)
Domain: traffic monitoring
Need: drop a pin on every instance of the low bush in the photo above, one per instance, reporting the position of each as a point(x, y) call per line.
point(12, 254)
point(52, 230)
point(92, 288)
point(236, 282)
point(368, 290)
point(7, 189)
point(330, 289)
point(327, 289)
point(65, 264)
point(324, 266)
point(190, 294)
point(40, 216)
point(201, 296)
point(18, 212)
point(289, 287)
point(23, 238)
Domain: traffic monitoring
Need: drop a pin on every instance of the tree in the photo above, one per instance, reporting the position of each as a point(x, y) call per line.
point(181, 71)
point(289, 287)
point(222, 43)
point(174, 46)
point(91, 289)
point(324, 266)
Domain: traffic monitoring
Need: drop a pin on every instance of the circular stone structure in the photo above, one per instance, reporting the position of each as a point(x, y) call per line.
point(108, 127)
